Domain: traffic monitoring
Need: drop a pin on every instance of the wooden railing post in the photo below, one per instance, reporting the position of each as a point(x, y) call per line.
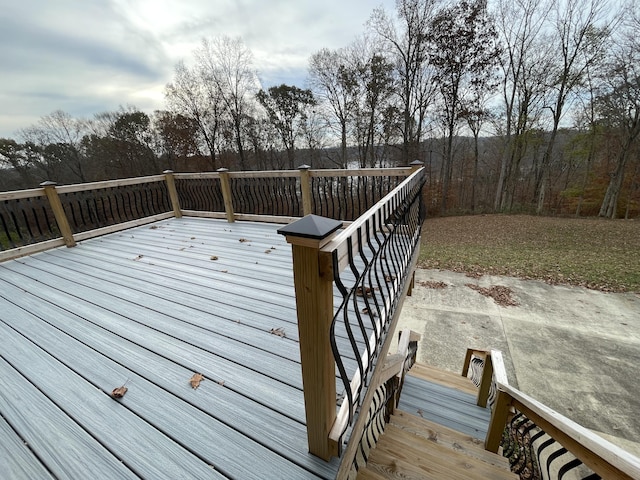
point(305, 189)
point(314, 305)
point(225, 184)
point(173, 193)
point(498, 421)
point(58, 212)
point(416, 165)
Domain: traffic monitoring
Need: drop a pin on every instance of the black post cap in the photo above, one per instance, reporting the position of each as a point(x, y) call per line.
point(311, 226)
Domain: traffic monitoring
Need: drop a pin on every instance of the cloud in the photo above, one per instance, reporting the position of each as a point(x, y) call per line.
point(92, 56)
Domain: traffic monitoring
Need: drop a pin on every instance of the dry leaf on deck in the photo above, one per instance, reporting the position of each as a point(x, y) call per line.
point(213, 257)
point(119, 392)
point(242, 240)
point(278, 331)
point(267, 251)
point(138, 258)
point(362, 291)
point(195, 380)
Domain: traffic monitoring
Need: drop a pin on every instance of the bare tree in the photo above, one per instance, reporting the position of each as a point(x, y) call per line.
point(334, 83)
point(59, 137)
point(375, 91)
point(189, 95)
point(286, 108)
point(619, 105)
point(463, 49)
point(226, 65)
point(406, 43)
point(580, 32)
point(524, 64)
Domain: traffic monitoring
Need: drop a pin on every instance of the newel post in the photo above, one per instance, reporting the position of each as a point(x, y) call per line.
point(305, 189)
point(314, 305)
point(225, 184)
point(173, 193)
point(58, 211)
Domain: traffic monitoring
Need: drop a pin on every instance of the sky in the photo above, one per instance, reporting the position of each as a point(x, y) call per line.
point(89, 56)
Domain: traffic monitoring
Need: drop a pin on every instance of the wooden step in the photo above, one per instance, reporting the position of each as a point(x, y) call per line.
point(446, 437)
point(400, 453)
point(443, 377)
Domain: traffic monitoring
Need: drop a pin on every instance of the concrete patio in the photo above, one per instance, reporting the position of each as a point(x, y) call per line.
point(576, 350)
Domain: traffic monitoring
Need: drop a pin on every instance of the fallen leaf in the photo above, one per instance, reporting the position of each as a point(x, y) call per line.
point(193, 238)
point(433, 284)
point(242, 240)
point(500, 294)
point(153, 227)
point(138, 258)
point(195, 380)
point(267, 251)
point(224, 271)
point(119, 392)
point(220, 382)
point(213, 257)
point(390, 278)
point(420, 412)
point(278, 331)
point(364, 291)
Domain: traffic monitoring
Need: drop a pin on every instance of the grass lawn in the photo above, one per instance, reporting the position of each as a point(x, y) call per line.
point(595, 253)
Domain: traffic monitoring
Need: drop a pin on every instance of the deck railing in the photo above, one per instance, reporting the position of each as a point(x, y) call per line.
point(371, 262)
point(539, 442)
point(51, 216)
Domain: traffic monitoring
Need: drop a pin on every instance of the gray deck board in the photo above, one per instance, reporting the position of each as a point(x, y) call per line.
point(18, 461)
point(186, 425)
point(76, 323)
point(444, 405)
point(101, 326)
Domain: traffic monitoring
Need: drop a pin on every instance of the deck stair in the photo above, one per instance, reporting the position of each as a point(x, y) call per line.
point(436, 433)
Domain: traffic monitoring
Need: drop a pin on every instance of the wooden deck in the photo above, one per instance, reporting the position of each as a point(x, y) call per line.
point(148, 308)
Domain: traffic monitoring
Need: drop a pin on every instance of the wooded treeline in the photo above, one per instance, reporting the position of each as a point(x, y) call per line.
point(515, 105)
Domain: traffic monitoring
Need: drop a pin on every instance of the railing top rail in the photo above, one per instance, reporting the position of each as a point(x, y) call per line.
point(574, 436)
point(265, 174)
point(340, 241)
point(499, 370)
point(364, 172)
point(328, 172)
point(82, 187)
point(196, 175)
point(19, 194)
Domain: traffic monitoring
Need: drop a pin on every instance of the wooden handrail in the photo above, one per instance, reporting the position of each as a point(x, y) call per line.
point(368, 172)
point(371, 220)
point(601, 456)
point(20, 194)
point(83, 187)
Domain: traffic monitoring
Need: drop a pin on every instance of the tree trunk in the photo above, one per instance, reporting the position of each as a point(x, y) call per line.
point(610, 203)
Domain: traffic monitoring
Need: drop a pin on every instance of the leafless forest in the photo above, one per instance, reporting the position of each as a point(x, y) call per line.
point(512, 105)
